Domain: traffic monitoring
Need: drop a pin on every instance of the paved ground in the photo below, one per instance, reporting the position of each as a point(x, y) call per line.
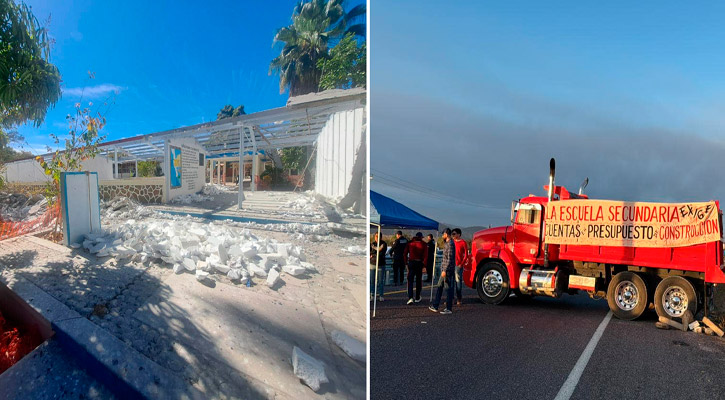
point(29, 378)
point(527, 349)
point(227, 340)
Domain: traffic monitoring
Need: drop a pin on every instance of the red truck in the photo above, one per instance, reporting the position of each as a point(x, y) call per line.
point(517, 259)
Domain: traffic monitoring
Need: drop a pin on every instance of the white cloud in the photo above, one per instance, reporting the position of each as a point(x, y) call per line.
point(94, 92)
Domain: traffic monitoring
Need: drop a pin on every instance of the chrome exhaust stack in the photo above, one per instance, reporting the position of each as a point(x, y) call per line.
point(583, 185)
point(552, 172)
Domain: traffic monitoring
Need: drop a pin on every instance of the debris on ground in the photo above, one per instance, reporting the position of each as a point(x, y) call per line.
point(353, 347)
point(662, 325)
point(188, 244)
point(17, 207)
point(212, 189)
point(713, 326)
point(308, 369)
point(191, 198)
point(693, 325)
point(355, 250)
point(272, 277)
point(671, 323)
point(123, 208)
point(687, 319)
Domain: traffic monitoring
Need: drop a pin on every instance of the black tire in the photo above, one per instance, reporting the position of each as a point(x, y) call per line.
point(674, 296)
point(627, 295)
point(489, 293)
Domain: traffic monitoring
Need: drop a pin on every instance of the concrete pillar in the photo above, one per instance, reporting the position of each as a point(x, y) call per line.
point(241, 168)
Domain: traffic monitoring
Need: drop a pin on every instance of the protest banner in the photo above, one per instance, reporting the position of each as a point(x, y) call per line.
point(631, 224)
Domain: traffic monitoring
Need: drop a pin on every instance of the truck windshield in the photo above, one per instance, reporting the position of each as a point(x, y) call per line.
point(528, 213)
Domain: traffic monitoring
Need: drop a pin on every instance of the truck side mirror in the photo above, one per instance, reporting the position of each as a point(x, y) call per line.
point(513, 207)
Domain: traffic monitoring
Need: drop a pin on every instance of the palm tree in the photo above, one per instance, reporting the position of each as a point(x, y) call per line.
point(316, 24)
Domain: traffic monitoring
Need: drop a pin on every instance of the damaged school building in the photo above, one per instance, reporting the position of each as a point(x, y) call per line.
point(330, 126)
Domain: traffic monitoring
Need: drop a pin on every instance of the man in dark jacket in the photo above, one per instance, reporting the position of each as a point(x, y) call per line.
point(377, 257)
point(416, 256)
point(448, 268)
point(430, 265)
point(398, 250)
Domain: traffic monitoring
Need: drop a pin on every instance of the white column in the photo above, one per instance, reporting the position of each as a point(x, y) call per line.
point(115, 163)
point(254, 161)
point(241, 168)
point(136, 170)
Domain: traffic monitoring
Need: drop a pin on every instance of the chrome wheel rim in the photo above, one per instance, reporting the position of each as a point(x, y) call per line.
point(674, 301)
point(626, 295)
point(492, 283)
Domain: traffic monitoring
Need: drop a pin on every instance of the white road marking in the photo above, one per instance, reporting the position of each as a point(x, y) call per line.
point(567, 389)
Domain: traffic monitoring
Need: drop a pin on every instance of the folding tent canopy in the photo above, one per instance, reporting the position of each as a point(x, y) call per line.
point(388, 213)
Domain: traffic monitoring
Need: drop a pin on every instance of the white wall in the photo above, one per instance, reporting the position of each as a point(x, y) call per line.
point(192, 174)
point(336, 148)
point(30, 170)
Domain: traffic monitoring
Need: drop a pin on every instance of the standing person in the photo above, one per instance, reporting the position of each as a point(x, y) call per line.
point(416, 256)
point(375, 249)
point(398, 250)
point(430, 264)
point(448, 267)
point(461, 258)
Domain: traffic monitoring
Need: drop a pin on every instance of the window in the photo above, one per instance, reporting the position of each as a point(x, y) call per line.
point(528, 214)
point(201, 159)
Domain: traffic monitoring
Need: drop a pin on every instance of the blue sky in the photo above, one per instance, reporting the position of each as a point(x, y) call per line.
point(472, 98)
point(166, 64)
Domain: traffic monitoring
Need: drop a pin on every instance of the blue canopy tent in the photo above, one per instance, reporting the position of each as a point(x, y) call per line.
point(388, 213)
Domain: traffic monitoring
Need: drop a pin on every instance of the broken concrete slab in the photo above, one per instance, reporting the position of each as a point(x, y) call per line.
point(351, 346)
point(310, 370)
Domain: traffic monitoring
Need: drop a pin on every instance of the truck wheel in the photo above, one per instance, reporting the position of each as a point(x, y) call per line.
point(493, 283)
point(674, 296)
point(627, 295)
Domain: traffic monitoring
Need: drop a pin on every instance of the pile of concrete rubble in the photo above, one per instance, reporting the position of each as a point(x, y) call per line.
point(186, 244)
point(199, 248)
point(18, 207)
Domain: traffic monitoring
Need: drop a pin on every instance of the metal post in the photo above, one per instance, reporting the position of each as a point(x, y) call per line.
point(241, 164)
point(377, 261)
point(115, 163)
point(255, 158)
point(432, 279)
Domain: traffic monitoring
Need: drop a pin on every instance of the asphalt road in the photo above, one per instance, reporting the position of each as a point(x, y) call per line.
point(526, 349)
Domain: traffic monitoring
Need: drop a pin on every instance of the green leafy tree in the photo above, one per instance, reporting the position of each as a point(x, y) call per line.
point(29, 83)
point(148, 168)
point(7, 153)
point(229, 111)
point(294, 157)
point(81, 144)
point(345, 68)
point(316, 24)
